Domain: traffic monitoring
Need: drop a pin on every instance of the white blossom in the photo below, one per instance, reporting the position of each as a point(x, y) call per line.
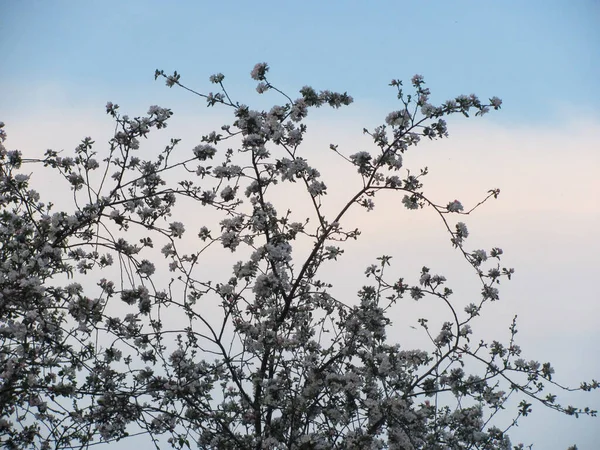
point(146, 268)
point(455, 206)
point(177, 229)
point(259, 71)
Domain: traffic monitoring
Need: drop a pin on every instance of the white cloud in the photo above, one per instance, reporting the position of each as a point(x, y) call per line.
point(545, 219)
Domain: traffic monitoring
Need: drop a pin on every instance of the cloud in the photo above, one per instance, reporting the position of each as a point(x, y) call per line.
point(545, 219)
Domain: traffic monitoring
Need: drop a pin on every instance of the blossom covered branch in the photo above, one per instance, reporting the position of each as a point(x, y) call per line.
point(111, 327)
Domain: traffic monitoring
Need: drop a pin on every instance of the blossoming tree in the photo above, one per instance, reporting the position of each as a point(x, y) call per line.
point(102, 337)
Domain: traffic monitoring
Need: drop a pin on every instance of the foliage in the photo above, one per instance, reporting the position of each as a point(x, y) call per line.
point(95, 350)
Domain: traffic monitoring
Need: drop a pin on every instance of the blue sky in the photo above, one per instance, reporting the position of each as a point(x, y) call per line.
point(61, 61)
point(536, 55)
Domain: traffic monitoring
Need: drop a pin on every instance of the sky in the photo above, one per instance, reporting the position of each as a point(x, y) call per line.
point(61, 62)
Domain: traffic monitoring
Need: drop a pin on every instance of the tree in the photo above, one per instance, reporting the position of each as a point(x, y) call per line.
point(94, 351)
